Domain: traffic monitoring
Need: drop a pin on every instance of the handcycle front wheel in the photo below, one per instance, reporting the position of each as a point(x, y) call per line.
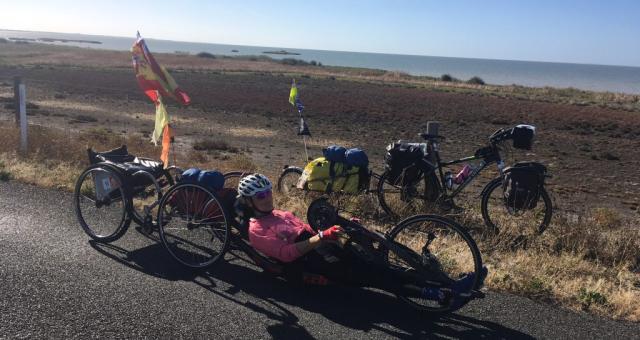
point(101, 203)
point(445, 250)
point(499, 218)
point(193, 225)
point(149, 194)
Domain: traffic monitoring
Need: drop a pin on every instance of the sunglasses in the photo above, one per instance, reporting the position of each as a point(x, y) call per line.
point(263, 195)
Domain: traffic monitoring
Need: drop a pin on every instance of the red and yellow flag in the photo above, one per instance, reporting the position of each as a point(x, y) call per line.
point(156, 83)
point(152, 77)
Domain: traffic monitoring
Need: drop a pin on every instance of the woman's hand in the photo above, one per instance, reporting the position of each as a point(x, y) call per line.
point(331, 234)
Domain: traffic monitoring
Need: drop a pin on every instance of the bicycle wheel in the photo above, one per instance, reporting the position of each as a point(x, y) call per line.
point(193, 225)
point(445, 249)
point(288, 180)
point(232, 178)
point(499, 218)
point(101, 203)
point(401, 201)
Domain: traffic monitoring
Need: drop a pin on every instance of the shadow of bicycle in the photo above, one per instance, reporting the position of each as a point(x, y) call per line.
point(239, 281)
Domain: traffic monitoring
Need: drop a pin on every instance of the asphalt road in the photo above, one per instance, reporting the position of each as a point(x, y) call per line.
point(57, 284)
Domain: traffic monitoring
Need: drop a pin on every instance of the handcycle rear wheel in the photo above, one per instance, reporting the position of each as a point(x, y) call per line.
point(101, 203)
point(443, 247)
point(193, 225)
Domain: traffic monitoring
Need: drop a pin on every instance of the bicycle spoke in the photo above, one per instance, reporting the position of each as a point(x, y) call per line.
point(196, 234)
point(442, 250)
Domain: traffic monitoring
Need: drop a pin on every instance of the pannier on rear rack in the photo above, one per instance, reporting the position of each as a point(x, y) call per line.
point(400, 162)
point(341, 170)
point(522, 184)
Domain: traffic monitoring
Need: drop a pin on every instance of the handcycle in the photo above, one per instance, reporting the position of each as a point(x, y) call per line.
point(117, 188)
point(424, 252)
point(424, 184)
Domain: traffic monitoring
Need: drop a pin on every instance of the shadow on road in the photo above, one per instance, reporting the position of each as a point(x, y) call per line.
point(239, 281)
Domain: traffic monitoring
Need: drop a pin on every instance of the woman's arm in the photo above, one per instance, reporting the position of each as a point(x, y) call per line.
point(332, 234)
point(308, 245)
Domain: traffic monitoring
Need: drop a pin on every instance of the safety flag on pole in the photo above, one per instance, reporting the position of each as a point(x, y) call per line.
point(162, 128)
point(162, 119)
point(304, 128)
point(295, 101)
point(293, 95)
point(152, 77)
point(167, 134)
point(157, 83)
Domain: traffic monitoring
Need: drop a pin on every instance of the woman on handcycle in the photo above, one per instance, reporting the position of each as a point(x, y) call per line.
point(281, 235)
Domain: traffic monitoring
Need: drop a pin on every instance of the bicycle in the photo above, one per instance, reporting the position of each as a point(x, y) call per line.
point(424, 183)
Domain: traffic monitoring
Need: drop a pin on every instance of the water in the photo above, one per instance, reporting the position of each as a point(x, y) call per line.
point(502, 72)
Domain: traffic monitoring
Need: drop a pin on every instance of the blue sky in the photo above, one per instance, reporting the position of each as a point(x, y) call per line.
point(597, 32)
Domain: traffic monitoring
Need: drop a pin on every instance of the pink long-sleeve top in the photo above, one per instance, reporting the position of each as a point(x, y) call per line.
point(275, 235)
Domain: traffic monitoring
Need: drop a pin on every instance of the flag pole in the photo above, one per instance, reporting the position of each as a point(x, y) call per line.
point(304, 140)
point(293, 99)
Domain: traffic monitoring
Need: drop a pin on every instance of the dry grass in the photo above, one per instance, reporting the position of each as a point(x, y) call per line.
point(214, 145)
point(55, 158)
point(587, 264)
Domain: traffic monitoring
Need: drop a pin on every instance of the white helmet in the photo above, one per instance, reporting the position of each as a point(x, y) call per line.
point(250, 185)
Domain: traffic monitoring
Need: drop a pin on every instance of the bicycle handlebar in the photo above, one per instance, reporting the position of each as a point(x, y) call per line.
point(500, 135)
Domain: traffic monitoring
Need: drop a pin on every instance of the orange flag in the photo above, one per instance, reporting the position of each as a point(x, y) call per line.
point(167, 135)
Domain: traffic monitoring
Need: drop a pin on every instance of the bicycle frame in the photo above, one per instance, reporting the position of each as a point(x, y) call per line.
point(487, 159)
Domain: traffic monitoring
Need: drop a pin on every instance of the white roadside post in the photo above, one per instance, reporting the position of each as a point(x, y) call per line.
point(16, 98)
point(23, 118)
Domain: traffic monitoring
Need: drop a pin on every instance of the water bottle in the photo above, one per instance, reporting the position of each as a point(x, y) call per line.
point(448, 179)
point(463, 174)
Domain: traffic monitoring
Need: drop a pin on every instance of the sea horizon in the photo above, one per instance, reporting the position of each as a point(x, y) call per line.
point(583, 76)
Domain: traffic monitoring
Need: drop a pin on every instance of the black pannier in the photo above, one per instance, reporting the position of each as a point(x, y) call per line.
point(522, 136)
point(400, 162)
point(522, 185)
